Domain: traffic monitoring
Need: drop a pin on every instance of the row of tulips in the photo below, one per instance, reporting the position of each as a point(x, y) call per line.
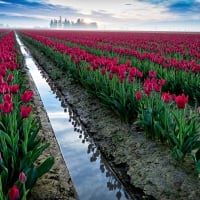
point(20, 145)
point(165, 117)
point(82, 65)
point(164, 43)
point(182, 76)
point(177, 45)
point(3, 32)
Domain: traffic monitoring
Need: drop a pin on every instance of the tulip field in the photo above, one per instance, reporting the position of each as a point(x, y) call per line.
point(151, 80)
point(20, 145)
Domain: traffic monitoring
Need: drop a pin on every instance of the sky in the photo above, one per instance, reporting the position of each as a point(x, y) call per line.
point(153, 15)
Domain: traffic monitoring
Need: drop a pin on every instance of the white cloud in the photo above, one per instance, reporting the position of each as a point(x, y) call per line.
point(87, 6)
point(144, 12)
point(26, 15)
point(118, 9)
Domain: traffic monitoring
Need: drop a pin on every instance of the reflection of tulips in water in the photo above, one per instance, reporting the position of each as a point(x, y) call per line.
point(113, 183)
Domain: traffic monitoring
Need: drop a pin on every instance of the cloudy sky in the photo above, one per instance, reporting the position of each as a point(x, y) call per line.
point(177, 15)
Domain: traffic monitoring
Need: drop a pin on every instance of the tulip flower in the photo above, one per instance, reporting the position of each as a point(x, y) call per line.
point(26, 96)
point(13, 193)
point(6, 107)
point(14, 88)
point(4, 88)
point(138, 95)
point(3, 70)
point(181, 101)
point(152, 73)
point(10, 78)
point(7, 97)
point(25, 111)
point(22, 177)
point(1, 79)
point(166, 97)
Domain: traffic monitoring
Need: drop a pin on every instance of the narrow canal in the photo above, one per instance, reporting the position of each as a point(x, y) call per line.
point(91, 174)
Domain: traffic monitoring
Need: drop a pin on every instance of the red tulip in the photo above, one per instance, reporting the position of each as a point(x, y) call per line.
point(152, 73)
point(13, 193)
point(25, 111)
point(7, 107)
point(103, 71)
point(138, 95)
point(3, 70)
point(14, 88)
point(7, 97)
point(161, 82)
point(13, 66)
point(10, 78)
point(26, 97)
point(4, 88)
point(110, 76)
point(181, 101)
point(166, 97)
point(1, 79)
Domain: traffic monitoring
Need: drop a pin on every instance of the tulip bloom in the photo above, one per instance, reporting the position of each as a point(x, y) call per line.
point(166, 97)
point(10, 78)
point(22, 177)
point(4, 88)
point(161, 82)
point(7, 97)
point(13, 193)
point(25, 111)
point(1, 79)
point(3, 70)
point(138, 95)
point(181, 101)
point(26, 96)
point(152, 73)
point(14, 88)
point(7, 107)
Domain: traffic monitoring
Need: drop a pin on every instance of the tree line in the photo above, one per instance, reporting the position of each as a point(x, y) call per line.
point(67, 24)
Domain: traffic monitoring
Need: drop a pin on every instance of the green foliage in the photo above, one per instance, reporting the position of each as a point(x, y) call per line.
point(155, 118)
point(178, 128)
point(185, 137)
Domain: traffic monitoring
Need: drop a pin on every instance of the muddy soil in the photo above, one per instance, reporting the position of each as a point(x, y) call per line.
point(138, 161)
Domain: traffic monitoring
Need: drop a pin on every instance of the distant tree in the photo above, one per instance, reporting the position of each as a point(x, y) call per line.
point(79, 23)
point(66, 24)
point(93, 25)
point(55, 24)
point(52, 24)
point(59, 24)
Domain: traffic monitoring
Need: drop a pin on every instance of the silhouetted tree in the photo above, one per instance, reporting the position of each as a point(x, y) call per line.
point(66, 24)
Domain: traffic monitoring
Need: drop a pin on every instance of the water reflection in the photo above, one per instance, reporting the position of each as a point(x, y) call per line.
point(112, 183)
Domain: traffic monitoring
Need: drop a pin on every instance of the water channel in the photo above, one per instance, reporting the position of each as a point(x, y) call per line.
point(90, 173)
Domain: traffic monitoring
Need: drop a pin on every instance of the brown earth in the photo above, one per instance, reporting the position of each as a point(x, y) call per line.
point(138, 161)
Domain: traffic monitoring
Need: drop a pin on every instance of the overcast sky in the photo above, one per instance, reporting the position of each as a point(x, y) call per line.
point(177, 15)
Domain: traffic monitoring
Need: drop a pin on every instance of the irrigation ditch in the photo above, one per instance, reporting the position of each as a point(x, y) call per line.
point(144, 167)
